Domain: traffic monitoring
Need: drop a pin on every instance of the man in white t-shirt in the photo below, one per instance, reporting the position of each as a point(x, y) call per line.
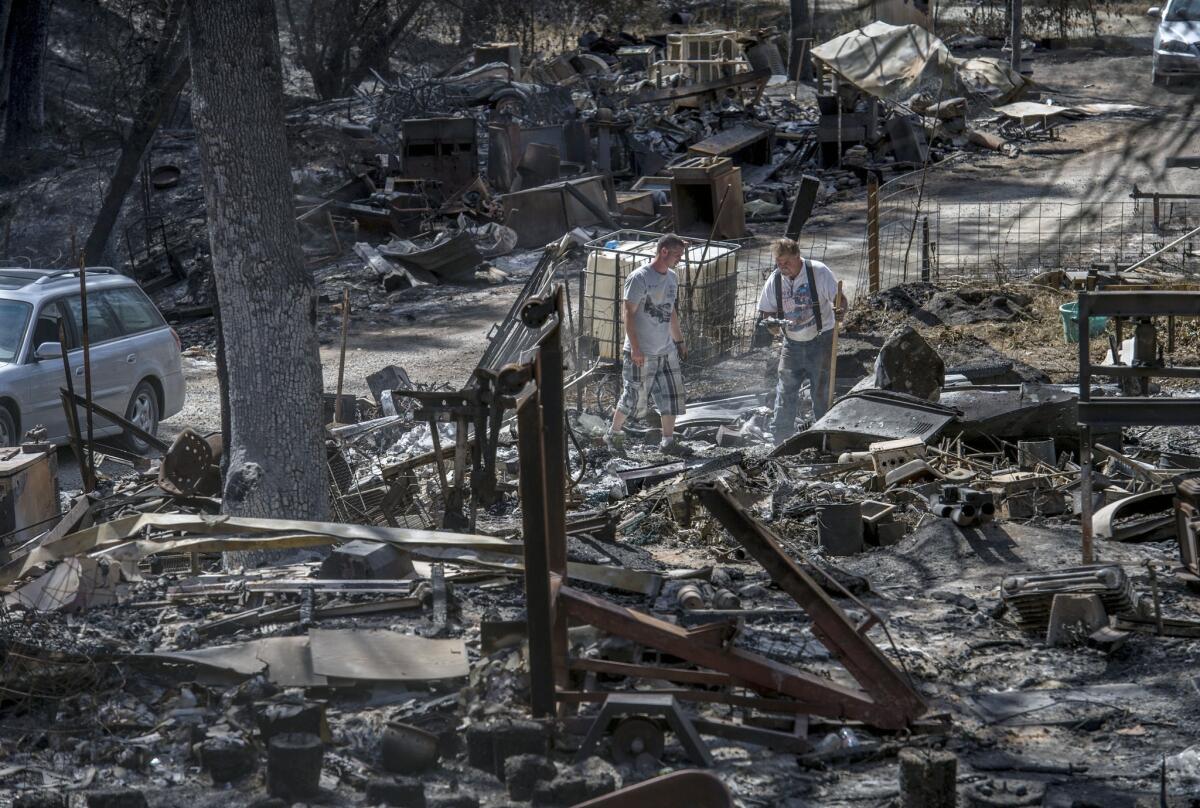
point(808, 336)
point(650, 361)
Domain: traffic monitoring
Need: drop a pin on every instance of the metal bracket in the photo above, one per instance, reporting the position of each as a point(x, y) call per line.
point(639, 704)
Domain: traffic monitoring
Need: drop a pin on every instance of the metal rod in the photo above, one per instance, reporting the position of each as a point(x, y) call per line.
point(337, 401)
point(87, 367)
point(89, 483)
point(1161, 250)
point(579, 341)
point(1086, 506)
point(1158, 618)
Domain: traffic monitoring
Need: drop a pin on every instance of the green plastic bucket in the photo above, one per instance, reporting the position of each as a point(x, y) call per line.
point(1070, 320)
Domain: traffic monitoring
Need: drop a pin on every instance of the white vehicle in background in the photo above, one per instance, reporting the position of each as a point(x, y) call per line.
point(1176, 41)
point(136, 369)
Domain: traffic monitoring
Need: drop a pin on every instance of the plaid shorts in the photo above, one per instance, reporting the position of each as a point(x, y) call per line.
point(666, 385)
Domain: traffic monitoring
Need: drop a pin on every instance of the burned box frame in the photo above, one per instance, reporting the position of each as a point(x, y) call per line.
point(478, 409)
point(1142, 410)
point(443, 149)
point(707, 298)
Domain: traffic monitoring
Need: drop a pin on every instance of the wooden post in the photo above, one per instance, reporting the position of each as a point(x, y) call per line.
point(925, 256)
point(872, 235)
point(928, 779)
point(337, 401)
point(833, 350)
point(1015, 35)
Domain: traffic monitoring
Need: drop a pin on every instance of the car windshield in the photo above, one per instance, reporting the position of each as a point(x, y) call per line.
point(13, 316)
point(1184, 11)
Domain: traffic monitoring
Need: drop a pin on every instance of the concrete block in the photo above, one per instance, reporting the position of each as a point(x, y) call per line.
point(490, 744)
point(1073, 618)
point(522, 773)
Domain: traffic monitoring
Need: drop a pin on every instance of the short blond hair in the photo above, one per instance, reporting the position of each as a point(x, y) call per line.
point(785, 246)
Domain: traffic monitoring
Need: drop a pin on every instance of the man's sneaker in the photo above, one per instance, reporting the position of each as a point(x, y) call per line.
point(615, 441)
point(672, 446)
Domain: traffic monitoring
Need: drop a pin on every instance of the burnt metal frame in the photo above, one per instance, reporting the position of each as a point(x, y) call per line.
point(534, 389)
point(478, 404)
point(1132, 410)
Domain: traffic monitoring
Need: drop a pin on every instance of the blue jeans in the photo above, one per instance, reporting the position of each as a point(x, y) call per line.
point(797, 361)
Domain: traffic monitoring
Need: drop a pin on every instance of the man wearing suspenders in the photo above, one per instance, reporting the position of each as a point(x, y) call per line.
point(805, 294)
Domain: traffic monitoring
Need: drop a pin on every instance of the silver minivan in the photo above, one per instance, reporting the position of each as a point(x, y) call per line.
point(136, 369)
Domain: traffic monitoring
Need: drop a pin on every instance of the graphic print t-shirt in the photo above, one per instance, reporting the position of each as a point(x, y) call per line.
point(797, 300)
point(654, 294)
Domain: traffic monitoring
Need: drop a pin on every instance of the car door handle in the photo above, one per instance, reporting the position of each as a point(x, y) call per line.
point(131, 358)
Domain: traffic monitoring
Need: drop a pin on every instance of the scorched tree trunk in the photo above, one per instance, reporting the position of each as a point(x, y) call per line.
point(25, 116)
point(268, 315)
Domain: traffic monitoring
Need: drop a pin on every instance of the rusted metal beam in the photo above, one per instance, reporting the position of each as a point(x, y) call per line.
point(699, 696)
point(537, 568)
point(683, 675)
point(895, 701)
point(819, 696)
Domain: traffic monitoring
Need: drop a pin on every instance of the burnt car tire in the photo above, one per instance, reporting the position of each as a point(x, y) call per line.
point(8, 428)
point(144, 411)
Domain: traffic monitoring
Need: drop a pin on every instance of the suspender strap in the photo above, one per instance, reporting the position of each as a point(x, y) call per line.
point(812, 292)
point(778, 293)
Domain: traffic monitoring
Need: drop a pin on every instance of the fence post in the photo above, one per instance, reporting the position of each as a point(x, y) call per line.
point(872, 234)
point(925, 249)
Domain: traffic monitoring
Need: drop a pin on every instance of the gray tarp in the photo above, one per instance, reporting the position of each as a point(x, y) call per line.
point(893, 62)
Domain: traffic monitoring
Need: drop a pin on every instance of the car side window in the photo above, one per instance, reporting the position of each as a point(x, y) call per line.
point(135, 313)
point(102, 325)
point(46, 327)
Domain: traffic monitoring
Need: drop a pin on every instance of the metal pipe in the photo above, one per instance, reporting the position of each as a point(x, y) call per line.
point(89, 484)
point(87, 370)
point(1161, 250)
point(1086, 507)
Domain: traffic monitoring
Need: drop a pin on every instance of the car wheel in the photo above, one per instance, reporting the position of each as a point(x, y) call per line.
point(509, 106)
point(8, 428)
point(143, 411)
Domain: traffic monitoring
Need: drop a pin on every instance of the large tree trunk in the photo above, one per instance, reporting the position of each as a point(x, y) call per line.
point(26, 112)
point(268, 312)
point(6, 46)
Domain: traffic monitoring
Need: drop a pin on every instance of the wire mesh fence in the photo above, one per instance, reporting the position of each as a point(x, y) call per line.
point(923, 238)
